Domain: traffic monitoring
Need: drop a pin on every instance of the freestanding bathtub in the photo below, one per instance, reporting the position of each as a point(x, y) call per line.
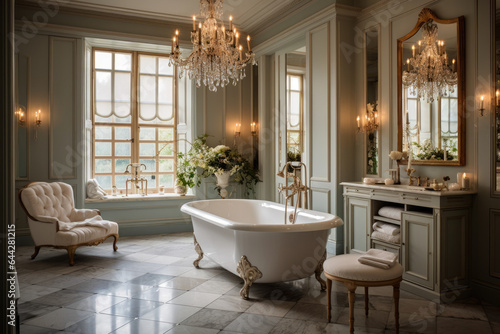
point(249, 239)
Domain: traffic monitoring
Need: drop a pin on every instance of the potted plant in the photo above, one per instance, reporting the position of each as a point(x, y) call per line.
point(220, 161)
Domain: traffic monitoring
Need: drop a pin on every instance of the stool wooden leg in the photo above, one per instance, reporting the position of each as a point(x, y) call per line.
point(352, 297)
point(366, 300)
point(329, 296)
point(396, 306)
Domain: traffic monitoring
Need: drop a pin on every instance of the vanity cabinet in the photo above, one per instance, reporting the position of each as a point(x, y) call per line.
point(434, 224)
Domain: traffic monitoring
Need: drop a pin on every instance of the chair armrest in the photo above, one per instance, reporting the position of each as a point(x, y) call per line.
point(82, 214)
point(46, 219)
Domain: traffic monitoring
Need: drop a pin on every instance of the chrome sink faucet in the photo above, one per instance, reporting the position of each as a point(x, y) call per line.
point(292, 189)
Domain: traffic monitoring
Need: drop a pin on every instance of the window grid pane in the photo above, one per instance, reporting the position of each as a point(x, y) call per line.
point(115, 146)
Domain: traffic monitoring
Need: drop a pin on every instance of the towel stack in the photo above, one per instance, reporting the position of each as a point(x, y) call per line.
point(378, 258)
point(388, 232)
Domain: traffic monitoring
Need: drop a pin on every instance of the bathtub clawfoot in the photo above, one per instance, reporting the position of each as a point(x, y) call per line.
point(198, 250)
point(249, 274)
point(319, 271)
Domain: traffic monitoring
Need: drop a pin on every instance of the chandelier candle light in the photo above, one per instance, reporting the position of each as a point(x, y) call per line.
point(428, 73)
point(217, 58)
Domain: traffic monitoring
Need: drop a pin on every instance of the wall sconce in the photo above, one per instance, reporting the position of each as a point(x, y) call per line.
point(481, 108)
point(20, 115)
point(253, 128)
point(370, 123)
point(237, 130)
point(38, 122)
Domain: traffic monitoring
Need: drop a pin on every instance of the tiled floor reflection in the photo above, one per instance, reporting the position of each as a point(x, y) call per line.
point(150, 286)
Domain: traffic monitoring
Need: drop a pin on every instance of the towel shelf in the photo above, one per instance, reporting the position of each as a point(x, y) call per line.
point(434, 228)
point(386, 220)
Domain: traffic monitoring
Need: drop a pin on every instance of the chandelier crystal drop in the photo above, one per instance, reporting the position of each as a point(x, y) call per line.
point(217, 58)
point(429, 74)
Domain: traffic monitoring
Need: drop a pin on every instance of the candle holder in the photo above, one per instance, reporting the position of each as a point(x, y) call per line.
point(38, 121)
point(20, 114)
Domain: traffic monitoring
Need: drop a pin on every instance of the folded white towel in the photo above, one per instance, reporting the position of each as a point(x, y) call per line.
point(393, 239)
point(96, 221)
point(378, 258)
point(387, 228)
point(392, 212)
point(373, 263)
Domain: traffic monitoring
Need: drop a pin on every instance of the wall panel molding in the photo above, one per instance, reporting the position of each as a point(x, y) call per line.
point(319, 104)
point(62, 107)
point(494, 246)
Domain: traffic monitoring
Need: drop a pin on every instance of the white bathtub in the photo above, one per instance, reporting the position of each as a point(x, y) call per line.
point(230, 229)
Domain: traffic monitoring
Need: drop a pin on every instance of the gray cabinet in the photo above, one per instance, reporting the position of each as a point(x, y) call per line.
point(434, 227)
point(358, 211)
point(417, 247)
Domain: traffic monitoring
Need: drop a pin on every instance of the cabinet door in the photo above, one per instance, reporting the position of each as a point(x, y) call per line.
point(418, 248)
point(358, 219)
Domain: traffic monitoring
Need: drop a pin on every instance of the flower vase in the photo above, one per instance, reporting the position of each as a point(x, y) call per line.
point(223, 182)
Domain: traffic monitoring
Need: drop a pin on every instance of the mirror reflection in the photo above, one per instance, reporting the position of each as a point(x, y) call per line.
point(295, 103)
point(21, 117)
point(431, 92)
point(372, 96)
point(496, 136)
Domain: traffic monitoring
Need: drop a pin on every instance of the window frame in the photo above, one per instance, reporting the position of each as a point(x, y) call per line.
point(135, 125)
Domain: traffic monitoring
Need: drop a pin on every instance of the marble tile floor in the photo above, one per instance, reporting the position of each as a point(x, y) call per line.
point(150, 286)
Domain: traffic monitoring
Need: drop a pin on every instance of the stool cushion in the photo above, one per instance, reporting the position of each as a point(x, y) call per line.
point(347, 266)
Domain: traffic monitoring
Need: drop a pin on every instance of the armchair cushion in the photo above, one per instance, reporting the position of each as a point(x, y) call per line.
point(49, 199)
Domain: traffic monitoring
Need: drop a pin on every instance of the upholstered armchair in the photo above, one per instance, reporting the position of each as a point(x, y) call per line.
point(54, 221)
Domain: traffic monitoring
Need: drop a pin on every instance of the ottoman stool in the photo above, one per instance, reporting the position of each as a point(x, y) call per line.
point(346, 269)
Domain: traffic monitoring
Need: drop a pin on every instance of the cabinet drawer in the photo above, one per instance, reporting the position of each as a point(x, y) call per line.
point(358, 191)
point(387, 247)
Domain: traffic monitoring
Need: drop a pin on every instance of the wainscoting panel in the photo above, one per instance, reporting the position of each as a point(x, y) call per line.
point(62, 93)
point(494, 246)
point(320, 199)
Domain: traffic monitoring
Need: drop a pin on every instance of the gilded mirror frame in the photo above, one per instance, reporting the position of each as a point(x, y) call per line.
point(425, 15)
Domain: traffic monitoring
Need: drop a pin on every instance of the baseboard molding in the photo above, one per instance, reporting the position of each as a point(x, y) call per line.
point(133, 228)
point(486, 291)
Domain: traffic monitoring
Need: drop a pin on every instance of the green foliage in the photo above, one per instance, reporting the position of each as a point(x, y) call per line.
point(428, 152)
point(214, 161)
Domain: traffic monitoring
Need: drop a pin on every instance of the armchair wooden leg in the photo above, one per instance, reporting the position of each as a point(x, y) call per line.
point(37, 249)
point(396, 306)
point(114, 243)
point(329, 296)
point(71, 254)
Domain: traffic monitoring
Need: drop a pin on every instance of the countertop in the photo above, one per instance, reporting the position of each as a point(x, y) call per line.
point(409, 189)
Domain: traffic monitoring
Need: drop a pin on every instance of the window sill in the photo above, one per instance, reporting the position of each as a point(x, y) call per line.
point(138, 198)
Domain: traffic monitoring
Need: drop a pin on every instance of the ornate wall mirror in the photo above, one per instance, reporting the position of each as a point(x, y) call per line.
point(431, 91)
point(372, 94)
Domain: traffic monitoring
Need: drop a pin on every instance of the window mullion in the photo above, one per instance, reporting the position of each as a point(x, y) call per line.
point(135, 107)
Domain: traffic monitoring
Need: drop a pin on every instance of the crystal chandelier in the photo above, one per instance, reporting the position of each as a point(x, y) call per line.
point(217, 58)
point(428, 75)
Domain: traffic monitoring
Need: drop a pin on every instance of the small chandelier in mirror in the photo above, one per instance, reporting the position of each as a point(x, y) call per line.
point(429, 73)
point(217, 57)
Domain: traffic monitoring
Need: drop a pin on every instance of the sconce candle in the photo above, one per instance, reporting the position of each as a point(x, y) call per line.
point(497, 93)
point(194, 23)
point(37, 117)
point(237, 129)
point(357, 120)
point(481, 109)
point(252, 128)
